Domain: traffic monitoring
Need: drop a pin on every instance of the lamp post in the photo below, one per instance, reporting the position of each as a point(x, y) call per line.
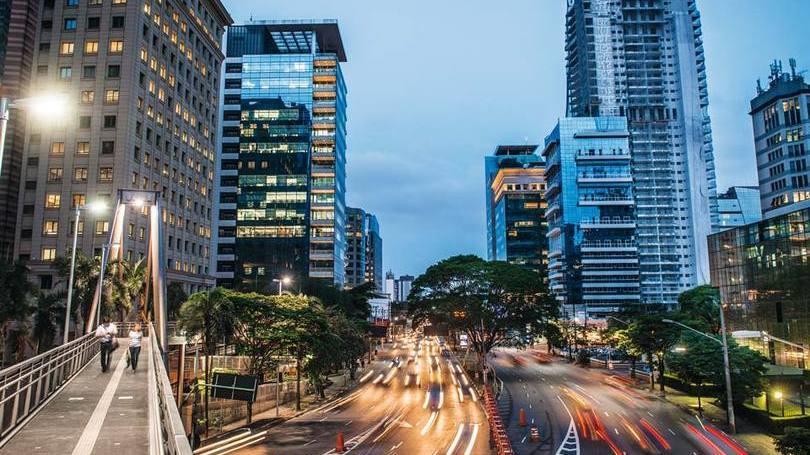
point(726, 368)
point(281, 281)
point(97, 207)
point(609, 362)
point(778, 395)
point(44, 104)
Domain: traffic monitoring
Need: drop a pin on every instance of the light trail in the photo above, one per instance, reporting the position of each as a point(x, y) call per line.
point(366, 376)
point(474, 436)
point(378, 379)
point(441, 398)
point(456, 440)
point(460, 395)
point(656, 434)
point(716, 450)
point(728, 441)
point(427, 400)
point(429, 423)
point(473, 395)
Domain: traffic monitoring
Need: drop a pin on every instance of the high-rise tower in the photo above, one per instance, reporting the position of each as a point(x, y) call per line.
point(644, 60)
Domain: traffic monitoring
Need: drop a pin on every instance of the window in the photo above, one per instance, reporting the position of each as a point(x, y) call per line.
point(48, 254)
point(84, 121)
point(82, 148)
point(53, 200)
point(105, 174)
point(89, 72)
point(44, 47)
point(65, 73)
point(50, 227)
point(55, 174)
point(72, 3)
point(80, 174)
point(30, 184)
point(107, 147)
point(45, 281)
point(94, 2)
point(88, 96)
point(42, 70)
point(111, 97)
point(33, 160)
point(78, 200)
point(93, 23)
point(73, 226)
point(66, 48)
point(70, 23)
point(47, 25)
point(119, 2)
point(58, 148)
point(118, 22)
point(102, 227)
point(91, 47)
point(109, 121)
point(116, 46)
point(113, 71)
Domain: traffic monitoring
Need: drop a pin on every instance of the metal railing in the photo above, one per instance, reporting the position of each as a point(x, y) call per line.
point(167, 435)
point(29, 385)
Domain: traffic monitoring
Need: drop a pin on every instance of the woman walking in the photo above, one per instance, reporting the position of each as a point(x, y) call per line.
point(135, 336)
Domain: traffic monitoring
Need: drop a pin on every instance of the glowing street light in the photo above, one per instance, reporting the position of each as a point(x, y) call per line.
point(48, 104)
point(778, 395)
point(93, 207)
point(284, 280)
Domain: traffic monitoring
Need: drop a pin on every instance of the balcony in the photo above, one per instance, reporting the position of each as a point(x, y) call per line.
point(587, 155)
point(591, 199)
point(323, 171)
point(596, 246)
point(616, 222)
point(554, 232)
point(604, 177)
point(321, 255)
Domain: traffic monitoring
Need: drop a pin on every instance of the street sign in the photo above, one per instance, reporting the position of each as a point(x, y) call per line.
point(234, 386)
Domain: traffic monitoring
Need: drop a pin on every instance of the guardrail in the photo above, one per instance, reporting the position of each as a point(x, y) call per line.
point(497, 430)
point(29, 385)
point(167, 435)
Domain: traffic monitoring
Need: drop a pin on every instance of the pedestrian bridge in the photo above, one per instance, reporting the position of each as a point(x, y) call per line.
point(60, 402)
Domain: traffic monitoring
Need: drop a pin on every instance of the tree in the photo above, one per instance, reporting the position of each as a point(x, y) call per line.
point(15, 290)
point(208, 315)
point(554, 336)
point(49, 315)
point(175, 296)
point(795, 441)
point(493, 302)
point(699, 308)
point(85, 279)
point(127, 282)
point(654, 337)
point(698, 363)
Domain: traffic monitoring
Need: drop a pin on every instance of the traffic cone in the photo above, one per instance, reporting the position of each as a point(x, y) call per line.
point(522, 417)
point(339, 446)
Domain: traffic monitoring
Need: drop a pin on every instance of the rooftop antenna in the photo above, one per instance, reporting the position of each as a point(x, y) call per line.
point(759, 86)
point(792, 63)
point(251, 18)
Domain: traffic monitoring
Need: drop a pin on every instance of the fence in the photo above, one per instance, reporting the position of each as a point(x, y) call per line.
point(497, 430)
point(27, 386)
point(166, 430)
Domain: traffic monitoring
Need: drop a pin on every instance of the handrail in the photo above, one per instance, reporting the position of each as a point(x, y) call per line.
point(29, 385)
point(166, 426)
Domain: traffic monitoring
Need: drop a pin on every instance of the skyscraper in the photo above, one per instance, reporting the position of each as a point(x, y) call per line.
point(515, 178)
point(644, 60)
point(282, 173)
point(374, 252)
point(356, 239)
point(593, 255)
point(738, 206)
point(143, 80)
point(781, 141)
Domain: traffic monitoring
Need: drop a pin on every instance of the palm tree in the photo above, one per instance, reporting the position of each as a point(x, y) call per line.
point(208, 315)
point(49, 315)
point(85, 280)
point(126, 281)
point(14, 292)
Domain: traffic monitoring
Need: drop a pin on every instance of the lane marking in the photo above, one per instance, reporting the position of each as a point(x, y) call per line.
point(93, 427)
point(616, 430)
point(129, 397)
point(75, 398)
point(650, 414)
point(606, 414)
point(670, 430)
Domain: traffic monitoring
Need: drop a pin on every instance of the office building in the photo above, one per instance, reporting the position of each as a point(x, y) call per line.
point(738, 206)
point(143, 80)
point(644, 60)
point(515, 207)
point(404, 285)
point(282, 170)
point(762, 270)
point(18, 31)
point(356, 239)
point(390, 286)
point(781, 120)
point(374, 252)
point(593, 265)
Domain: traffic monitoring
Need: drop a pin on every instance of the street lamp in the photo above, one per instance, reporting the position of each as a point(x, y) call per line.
point(778, 396)
point(282, 281)
point(727, 369)
point(40, 105)
point(95, 207)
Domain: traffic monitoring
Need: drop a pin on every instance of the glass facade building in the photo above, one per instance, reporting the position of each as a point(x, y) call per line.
point(355, 246)
point(515, 179)
point(644, 60)
point(374, 252)
point(282, 168)
point(762, 271)
point(592, 244)
point(738, 206)
point(781, 120)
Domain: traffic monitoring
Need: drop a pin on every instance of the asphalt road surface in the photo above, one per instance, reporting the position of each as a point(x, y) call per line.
point(413, 401)
point(591, 411)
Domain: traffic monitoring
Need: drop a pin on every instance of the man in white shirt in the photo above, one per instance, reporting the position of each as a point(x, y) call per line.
point(106, 332)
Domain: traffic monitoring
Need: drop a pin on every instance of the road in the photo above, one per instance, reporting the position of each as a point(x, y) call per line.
point(412, 401)
point(593, 411)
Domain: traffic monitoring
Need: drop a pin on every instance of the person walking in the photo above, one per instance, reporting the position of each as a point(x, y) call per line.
point(106, 332)
point(135, 336)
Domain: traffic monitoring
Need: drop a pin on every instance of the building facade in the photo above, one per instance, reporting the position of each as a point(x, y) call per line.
point(515, 207)
point(142, 78)
point(762, 270)
point(356, 239)
point(374, 252)
point(593, 246)
point(645, 61)
point(282, 170)
point(780, 116)
point(738, 206)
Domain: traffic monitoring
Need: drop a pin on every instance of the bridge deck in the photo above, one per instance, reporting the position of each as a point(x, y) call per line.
point(96, 413)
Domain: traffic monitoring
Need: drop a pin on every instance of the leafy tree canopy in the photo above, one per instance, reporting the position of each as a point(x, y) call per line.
point(795, 441)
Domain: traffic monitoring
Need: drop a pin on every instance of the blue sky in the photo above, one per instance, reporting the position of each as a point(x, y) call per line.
point(434, 85)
